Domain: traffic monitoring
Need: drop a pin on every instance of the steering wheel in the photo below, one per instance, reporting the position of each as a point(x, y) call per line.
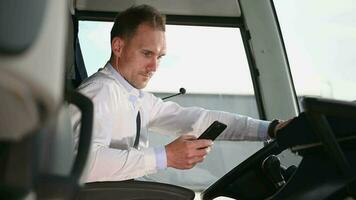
point(247, 176)
point(325, 135)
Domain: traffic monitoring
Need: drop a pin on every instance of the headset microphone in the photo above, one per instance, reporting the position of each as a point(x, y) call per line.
point(181, 91)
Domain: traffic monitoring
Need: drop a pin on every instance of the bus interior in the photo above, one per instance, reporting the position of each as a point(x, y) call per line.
point(267, 59)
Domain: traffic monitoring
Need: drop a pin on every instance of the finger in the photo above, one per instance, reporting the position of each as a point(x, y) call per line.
point(203, 143)
point(201, 160)
point(285, 123)
point(189, 137)
point(198, 159)
point(202, 152)
point(282, 124)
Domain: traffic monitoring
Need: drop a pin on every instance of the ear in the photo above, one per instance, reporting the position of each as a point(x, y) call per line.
point(117, 44)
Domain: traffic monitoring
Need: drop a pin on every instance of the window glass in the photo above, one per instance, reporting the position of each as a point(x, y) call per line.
point(320, 39)
point(192, 52)
point(94, 38)
point(210, 63)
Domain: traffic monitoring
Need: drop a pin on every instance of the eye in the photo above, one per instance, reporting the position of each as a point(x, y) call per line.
point(160, 57)
point(147, 54)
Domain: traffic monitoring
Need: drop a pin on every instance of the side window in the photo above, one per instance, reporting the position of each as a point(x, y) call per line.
point(211, 64)
point(320, 43)
point(94, 38)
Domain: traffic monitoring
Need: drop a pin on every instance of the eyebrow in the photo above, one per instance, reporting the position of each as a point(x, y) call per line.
point(150, 51)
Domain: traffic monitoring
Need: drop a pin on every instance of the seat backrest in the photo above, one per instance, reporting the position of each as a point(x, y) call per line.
point(32, 41)
point(58, 156)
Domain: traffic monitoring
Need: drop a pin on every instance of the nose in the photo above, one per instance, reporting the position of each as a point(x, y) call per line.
point(153, 65)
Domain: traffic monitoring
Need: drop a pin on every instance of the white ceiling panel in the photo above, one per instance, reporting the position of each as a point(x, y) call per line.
point(224, 8)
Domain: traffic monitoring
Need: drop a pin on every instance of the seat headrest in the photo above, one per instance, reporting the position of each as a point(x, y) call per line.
point(20, 23)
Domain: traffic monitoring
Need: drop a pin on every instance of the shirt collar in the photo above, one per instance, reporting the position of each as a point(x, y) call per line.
point(129, 88)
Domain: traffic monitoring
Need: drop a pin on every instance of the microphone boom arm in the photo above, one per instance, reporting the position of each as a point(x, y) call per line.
point(181, 91)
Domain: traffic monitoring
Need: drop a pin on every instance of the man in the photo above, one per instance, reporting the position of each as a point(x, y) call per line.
point(124, 114)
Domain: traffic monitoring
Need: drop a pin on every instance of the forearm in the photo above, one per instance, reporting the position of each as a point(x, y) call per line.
point(239, 127)
point(195, 120)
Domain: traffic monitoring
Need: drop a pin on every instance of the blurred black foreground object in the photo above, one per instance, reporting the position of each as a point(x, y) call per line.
point(324, 135)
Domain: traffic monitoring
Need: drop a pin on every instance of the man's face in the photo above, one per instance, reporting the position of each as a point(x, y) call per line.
point(140, 56)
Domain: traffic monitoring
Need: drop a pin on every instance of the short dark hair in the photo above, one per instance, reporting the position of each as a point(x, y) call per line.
point(127, 22)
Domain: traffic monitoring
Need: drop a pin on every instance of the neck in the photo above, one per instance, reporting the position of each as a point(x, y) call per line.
point(115, 64)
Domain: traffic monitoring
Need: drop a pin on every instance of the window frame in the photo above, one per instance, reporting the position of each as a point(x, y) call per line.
point(189, 20)
point(279, 29)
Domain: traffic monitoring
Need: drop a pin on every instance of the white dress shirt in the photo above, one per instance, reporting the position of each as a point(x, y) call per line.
point(116, 104)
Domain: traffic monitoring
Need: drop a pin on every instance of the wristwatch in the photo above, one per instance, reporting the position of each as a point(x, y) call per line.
point(272, 127)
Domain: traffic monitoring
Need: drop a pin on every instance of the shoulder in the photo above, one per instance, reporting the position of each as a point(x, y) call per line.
point(98, 78)
point(99, 84)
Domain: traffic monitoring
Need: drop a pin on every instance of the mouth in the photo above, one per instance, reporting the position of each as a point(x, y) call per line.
point(147, 75)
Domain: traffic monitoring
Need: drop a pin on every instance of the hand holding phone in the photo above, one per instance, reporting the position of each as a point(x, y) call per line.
point(213, 131)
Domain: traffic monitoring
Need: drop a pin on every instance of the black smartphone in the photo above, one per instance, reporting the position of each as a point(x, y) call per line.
point(213, 131)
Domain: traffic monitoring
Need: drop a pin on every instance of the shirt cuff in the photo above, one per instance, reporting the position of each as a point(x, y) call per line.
point(161, 157)
point(263, 130)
